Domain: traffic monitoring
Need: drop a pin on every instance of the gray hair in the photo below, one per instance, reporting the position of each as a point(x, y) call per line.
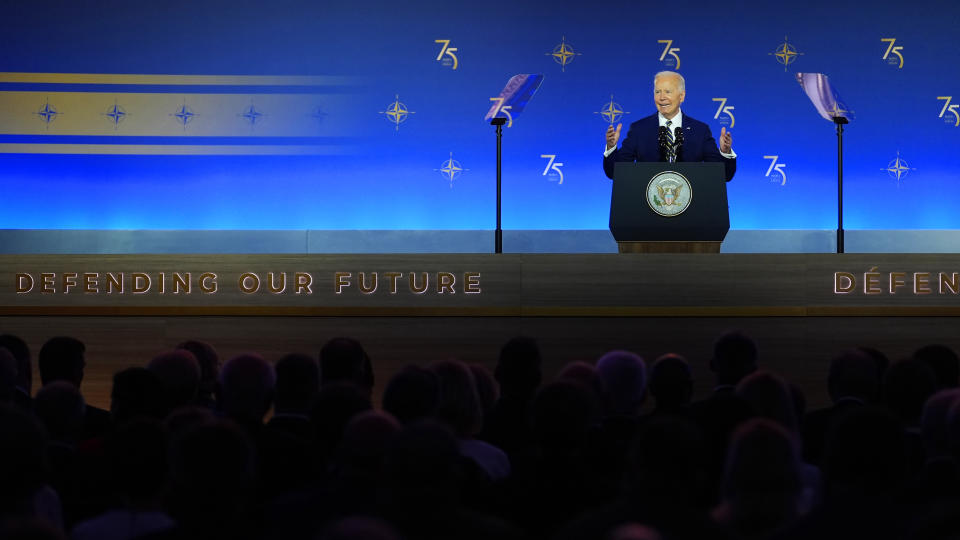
point(683, 84)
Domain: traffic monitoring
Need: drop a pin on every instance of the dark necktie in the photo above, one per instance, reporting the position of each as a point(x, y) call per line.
point(671, 149)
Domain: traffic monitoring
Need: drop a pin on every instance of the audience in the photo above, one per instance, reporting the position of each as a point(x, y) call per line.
point(209, 362)
point(21, 353)
point(179, 374)
point(344, 360)
point(295, 449)
point(460, 409)
point(63, 359)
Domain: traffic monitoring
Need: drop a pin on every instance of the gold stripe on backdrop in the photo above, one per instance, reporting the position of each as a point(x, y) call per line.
point(154, 114)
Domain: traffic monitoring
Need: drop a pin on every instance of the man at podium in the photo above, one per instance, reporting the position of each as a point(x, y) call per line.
point(669, 135)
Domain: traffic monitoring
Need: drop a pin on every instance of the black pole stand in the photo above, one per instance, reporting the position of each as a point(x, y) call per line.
point(839, 121)
point(498, 235)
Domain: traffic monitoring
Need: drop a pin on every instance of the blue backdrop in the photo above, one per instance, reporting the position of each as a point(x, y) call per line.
point(336, 115)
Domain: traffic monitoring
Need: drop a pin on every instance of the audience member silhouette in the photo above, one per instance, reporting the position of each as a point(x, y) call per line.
point(622, 389)
point(343, 359)
point(518, 372)
point(21, 352)
point(762, 486)
point(623, 383)
point(583, 372)
point(246, 390)
point(460, 409)
point(8, 377)
point(906, 387)
point(412, 394)
point(298, 382)
point(853, 380)
point(422, 483)
point(213, 479)
point(865, 471)
point(944, 363)
point(61, 410)
point(24, 493)
point(664, 486)
point(209, 362)
point(769, 397)
point(63, 359)
point(671, 384)
point(354, 475)
point(179, 375)
point(940, 476)
point(487, 391)
point(555, 479)
point(137, 393)
point(137, 454)
point(734, 357)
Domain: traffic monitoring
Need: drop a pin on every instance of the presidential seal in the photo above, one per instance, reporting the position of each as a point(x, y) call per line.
point(669, 193)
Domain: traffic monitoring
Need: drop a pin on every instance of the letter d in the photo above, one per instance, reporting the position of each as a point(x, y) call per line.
point(844, 282)
point(24, 283)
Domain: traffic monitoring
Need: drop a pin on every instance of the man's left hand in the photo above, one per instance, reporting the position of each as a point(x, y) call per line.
point(726, 141)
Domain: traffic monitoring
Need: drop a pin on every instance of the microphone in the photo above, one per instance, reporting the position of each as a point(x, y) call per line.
point(678, 142)
point(663, 140)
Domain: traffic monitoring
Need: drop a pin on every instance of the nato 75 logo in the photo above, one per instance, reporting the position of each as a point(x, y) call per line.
point(893, 50)
point(951, 108)
point(447, 50)
point(668, 48)
point(724, 109)
point(776, 168)
point(553, 168)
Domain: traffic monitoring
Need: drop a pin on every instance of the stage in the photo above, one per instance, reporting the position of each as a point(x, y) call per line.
point(416, 308)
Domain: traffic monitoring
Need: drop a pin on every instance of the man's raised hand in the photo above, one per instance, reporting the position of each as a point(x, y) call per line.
point(613, 136)
point(726, 141)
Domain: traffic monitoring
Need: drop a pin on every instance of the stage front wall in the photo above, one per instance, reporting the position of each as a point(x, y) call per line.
point(310, 115)
point(802, 309)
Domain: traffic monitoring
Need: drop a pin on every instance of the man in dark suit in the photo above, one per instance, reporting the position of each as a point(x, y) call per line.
point(646, 141)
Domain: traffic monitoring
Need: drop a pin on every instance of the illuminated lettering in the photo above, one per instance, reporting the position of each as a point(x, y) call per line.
point(68, 280)
point(419, 289)
point(951, 282)
point(392, 279)
point(897, 281)
point(181, 283)
point(341, 280)
point(871, 282)
point(208, 283)
point(921, 283)
point(141, 282)
point(114, 282)
point(91, 283)
point(249, 283)
point(272, 285)
point(364, 288)
point(844, 282)
point(24, 283)
point(48, 281)
point(445, 282)
point(303, 282)
point(471, 282)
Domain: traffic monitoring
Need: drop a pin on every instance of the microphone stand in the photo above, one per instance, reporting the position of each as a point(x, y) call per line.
point(498, 234)
point(840, 121)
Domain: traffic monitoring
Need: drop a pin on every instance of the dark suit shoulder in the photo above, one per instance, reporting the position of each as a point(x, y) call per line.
point(645, 121)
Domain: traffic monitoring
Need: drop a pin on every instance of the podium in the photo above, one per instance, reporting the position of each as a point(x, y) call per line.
point(669, 207)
